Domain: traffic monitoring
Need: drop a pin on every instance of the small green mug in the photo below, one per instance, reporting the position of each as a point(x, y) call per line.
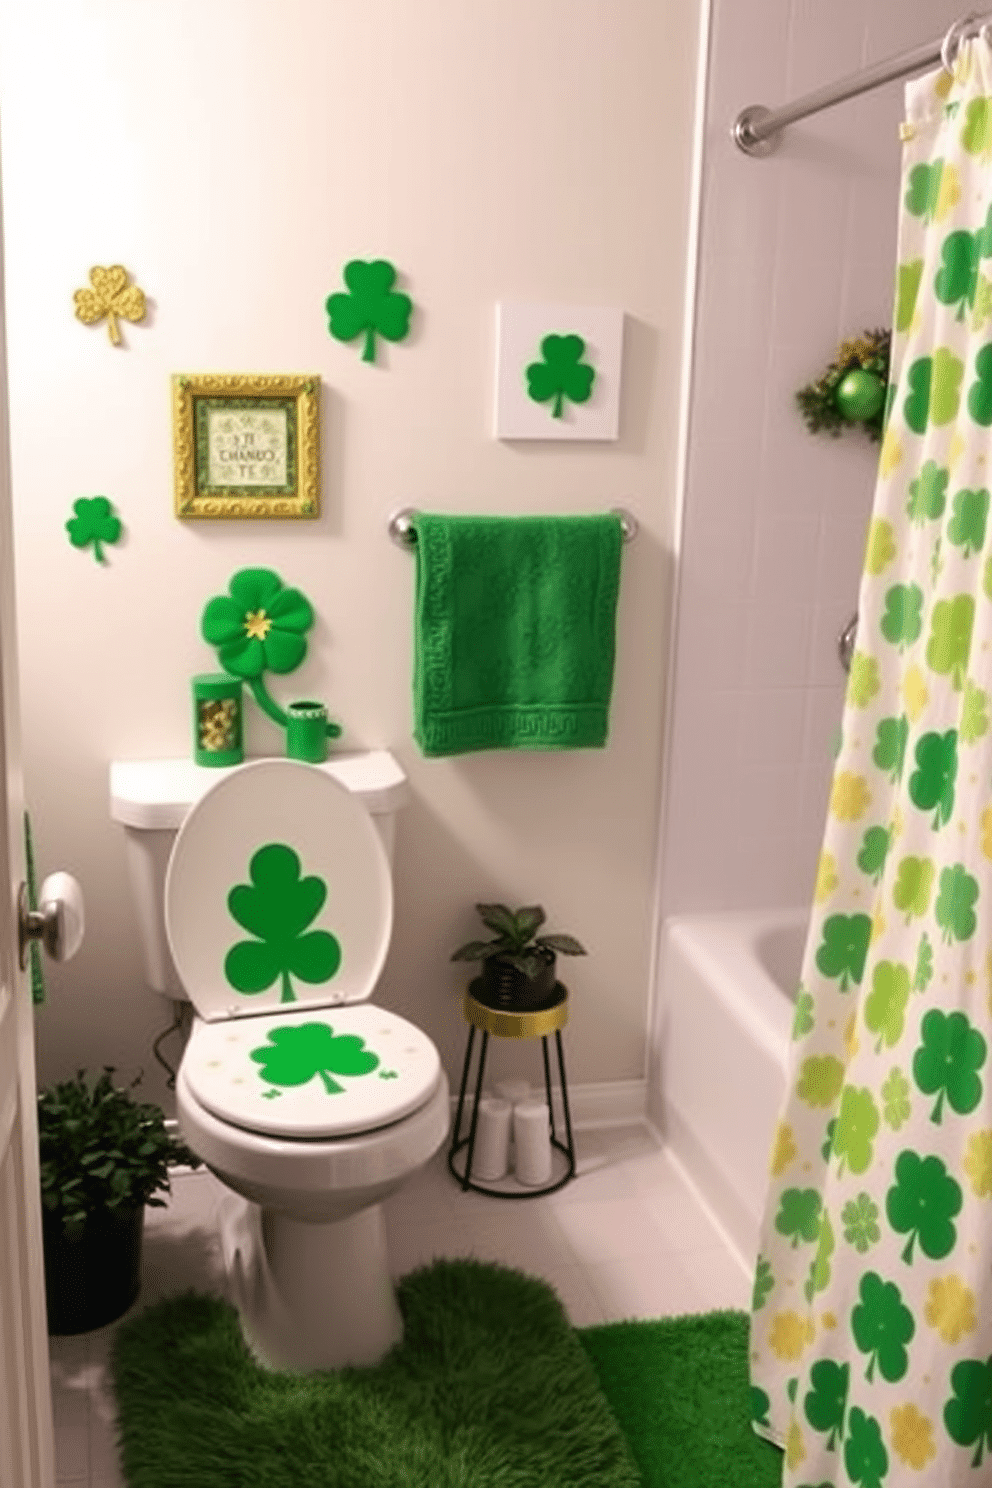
point(306, 732)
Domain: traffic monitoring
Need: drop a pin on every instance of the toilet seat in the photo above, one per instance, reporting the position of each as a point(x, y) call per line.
point(318, 1073)
point(278, 894)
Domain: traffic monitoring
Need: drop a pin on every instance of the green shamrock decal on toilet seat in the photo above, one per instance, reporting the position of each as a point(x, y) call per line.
point(294, 1055)
point(277, 906)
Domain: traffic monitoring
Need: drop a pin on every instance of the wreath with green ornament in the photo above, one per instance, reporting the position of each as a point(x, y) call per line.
point(852, 389)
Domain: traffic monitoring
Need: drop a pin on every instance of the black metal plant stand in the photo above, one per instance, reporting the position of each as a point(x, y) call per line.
point(540, 1025)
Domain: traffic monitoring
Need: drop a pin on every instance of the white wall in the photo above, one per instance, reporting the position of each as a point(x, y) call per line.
point(797, 252)
point(234, 155)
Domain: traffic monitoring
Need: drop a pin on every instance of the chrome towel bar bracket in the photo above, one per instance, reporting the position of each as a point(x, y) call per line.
point(402, 531)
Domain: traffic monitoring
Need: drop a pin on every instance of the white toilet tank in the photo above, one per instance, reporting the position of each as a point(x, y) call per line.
point(150, 798)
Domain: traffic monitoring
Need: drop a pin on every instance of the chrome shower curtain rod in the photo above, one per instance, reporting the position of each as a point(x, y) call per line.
point(756, 129)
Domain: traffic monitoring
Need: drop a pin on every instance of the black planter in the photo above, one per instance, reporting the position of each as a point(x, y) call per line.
point(93, 1276)
point(509, 990)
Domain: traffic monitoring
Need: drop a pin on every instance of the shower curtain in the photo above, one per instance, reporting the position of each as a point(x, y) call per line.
point(871, 1327)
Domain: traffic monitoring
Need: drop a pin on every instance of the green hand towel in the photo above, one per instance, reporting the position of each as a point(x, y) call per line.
point(514, 632)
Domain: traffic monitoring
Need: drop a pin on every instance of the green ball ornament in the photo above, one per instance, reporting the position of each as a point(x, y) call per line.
point(859, 395)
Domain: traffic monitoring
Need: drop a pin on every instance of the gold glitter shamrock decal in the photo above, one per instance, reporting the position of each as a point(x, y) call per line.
point(110, 296)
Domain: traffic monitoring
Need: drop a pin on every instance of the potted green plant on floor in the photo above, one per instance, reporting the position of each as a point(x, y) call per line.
point(519, 967)
point(104, 1156)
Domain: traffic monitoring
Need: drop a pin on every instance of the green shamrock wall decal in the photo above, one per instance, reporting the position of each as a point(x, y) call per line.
point(562, 374)
point(294, 1055)
point(277, 907)
point(371, 305)
point(260, 626)
point(95, 522)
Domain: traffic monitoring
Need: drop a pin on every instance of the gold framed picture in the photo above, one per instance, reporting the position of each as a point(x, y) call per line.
point(246, 445)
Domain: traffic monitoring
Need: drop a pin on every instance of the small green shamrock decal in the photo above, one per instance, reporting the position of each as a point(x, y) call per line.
point(95, 522)
point(874, 851)
point(891, 738)
point(913, 886)
point(980, 392)
point(844, 947)
point(885, 1005)
point(903, 619)
point(820, 1079)
point(371, 305)
point(947, 1063)
point(763, 1283)
point(923, 1204)
point(931, 784)
point(955, 907)
point(961, 256)
point(760, 1405)
point(928, 493)
point(856, 1129)
point(799, 1215)
point(968, 1413)
point(826, 1402)
point(803, 1021)
point(293, 1056)
point(562, 374)
point(819, 1272)
point(974, 723)
point(882, 1326)
point(277, 907)
point(934, 390)
point(924, 964)
point(976, 131)
point(896, 1108)
point(966, 529)
point(860, 1220)
point(949, 646)
point(908, 279)
point(865, 1457)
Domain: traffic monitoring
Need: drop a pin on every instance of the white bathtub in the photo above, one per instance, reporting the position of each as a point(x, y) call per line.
point(725, 1007)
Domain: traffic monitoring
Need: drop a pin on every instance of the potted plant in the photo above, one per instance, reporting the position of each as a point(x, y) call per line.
point(104, 1156)
point(518, 968)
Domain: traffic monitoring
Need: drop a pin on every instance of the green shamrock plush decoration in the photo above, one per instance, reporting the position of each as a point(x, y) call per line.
point(293, 1056)
point(371, 305)
point(277, 907)
point(852, 389)
point(260, 626)
point(562, 374)
point(95, 522)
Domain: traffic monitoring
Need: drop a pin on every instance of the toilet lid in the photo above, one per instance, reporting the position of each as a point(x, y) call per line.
point(312, 1073)
point(278, 892)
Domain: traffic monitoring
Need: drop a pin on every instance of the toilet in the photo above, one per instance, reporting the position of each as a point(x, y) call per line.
point(310, 1103)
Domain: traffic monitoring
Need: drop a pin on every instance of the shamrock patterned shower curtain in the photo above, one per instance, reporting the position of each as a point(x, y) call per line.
point(871, 1328)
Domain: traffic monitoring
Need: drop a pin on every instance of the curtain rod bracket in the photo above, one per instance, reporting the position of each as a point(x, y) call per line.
point(745, 137)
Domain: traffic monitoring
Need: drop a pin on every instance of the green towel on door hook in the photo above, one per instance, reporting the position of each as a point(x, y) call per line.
point(515, 631)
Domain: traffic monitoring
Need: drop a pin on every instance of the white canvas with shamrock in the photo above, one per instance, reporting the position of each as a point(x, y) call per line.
point(577, 406)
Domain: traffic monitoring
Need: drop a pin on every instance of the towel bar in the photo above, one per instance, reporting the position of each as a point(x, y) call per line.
point(401, 528)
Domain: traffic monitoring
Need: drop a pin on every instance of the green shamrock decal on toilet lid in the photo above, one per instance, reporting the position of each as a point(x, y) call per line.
point(562, 374)
point(294, 1055)
point(277, 906)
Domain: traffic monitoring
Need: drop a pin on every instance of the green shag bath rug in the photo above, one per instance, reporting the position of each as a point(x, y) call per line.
point(490, 1388)
point(680, 1390)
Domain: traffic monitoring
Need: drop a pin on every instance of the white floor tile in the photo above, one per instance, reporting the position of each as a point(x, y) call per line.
point(607, 1229)
point(643, 1287)
point(578, 1297)
point(721, 1279)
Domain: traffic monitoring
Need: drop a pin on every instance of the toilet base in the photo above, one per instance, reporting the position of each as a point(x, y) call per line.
point(310, 1296)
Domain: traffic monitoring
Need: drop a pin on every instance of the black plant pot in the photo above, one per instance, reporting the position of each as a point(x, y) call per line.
point(509, 990)
point(92, 1276)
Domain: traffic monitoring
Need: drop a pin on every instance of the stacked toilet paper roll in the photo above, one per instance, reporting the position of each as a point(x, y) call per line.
point(491, 1154)
point(532, 1143)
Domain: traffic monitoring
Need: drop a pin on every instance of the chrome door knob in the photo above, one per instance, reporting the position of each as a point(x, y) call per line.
point(58, 922)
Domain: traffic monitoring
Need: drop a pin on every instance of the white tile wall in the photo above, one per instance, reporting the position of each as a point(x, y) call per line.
point(797, 251)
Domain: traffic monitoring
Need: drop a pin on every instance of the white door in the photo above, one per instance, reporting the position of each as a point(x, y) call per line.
point(26, 1445)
